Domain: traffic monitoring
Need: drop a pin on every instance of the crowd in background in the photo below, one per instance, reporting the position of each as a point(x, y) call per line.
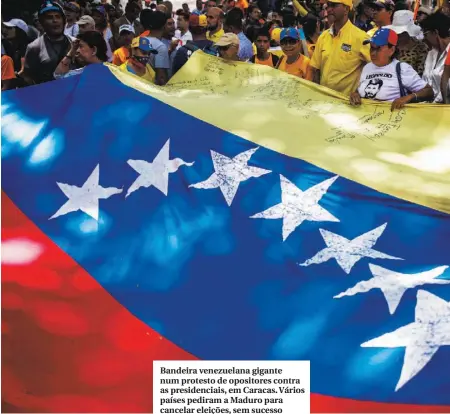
point(394, 51)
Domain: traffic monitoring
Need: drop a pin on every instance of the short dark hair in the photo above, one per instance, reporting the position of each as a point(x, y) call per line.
point(437, 21)
point(131, 5)
point(375, 81)
point(234, 18)
point(262, 32)
point(95, 39)
point(184, 14)
point(153, 19)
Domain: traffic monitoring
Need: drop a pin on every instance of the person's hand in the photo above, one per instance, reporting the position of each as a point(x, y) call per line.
point(173, 45)
point(399, 103)
point(355, 99)
point(74, 48)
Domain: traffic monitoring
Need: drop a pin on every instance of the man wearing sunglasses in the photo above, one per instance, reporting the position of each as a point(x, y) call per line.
point(293, 61)
point(340, 54)
point(139, 61)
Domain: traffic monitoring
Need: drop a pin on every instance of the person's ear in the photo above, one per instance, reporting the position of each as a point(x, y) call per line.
point(94, 53)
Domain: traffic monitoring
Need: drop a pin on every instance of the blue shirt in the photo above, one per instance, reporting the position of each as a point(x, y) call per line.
point(245, 47)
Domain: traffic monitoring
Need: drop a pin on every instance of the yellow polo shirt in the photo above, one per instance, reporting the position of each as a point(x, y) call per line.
point(216, 36)
point(371, 32)
point(341, 58)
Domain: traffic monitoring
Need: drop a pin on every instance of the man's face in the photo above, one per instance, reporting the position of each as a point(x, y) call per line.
point(71, 15)
point(255, 14)
point(169, 28)
point(421, 16)
point(126, 38)
point(381, 16)
point(199, 4)
point(182, 24)
point(134, 12)
point(262, 44)
point(229, 52)
point(8, 33)
point(336, 11)
point(86, 28)
point(371, 91)
point(53, 23)
point(210, 4)
point(98, 17)
point(290, 47)
point(213, 19)
point(431, 38)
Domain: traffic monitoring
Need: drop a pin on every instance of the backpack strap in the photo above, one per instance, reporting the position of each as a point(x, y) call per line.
point(191, 46)
point(279, 62)
point(275, 60)
point(398, 69)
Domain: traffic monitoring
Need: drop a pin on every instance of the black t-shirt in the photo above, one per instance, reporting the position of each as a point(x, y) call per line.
point(185, 52)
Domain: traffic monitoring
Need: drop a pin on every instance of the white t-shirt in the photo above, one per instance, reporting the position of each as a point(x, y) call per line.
point(432, 73)
point(381, 83)
point(72, 30)
point(183, 38)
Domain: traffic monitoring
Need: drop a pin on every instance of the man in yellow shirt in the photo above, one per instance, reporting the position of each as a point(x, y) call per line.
point(214, 17)
point(340, 55)
point(382, 14)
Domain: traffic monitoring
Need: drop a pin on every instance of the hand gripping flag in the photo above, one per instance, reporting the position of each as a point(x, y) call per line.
point(236, 214)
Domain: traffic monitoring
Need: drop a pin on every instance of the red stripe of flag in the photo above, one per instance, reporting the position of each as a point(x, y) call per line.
point(68, 346)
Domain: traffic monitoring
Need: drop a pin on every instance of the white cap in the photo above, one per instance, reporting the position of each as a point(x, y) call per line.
point(127, 27)
point(17, 23)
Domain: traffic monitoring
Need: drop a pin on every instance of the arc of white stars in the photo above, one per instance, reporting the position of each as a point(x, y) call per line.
point(156, 173)
point(230, 172)
point(421, 338)
point(298, 206)
point(394, 284)
point(348, 252)
point(85, 198)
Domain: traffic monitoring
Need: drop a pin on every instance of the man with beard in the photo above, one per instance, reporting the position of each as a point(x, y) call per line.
point(44, 54)
point(214, 18)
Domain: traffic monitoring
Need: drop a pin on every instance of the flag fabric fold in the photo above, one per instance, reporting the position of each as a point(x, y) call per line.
point(136, 228)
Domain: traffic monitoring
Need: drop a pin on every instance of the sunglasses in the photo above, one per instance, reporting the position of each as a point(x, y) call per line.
point(289, 41)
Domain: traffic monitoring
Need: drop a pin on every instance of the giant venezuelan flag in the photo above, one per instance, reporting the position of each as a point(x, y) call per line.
point(238, 213)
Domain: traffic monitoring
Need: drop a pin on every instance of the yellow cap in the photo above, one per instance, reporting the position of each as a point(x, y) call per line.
point(348, 3)
point(275, 35)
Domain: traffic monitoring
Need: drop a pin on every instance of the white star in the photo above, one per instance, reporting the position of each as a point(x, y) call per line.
point(85, 198)
point(394, 285)
point(156, 173)
point(297, 206)
point(230, 172)
point(421, 338)
point(347, 252)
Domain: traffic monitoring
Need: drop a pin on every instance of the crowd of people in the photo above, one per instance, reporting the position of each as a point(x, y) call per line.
point(385, 50)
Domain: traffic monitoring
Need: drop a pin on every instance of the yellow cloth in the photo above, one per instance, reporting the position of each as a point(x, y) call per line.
point(120, 56)
point(298, 118)
point(371, 32)
point(341, 58)
point(148, 76)
point(216, 36)
point(299, 68)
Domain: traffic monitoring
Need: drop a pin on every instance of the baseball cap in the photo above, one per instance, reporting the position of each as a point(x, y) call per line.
point(228, 39)
point(383, 4)
point(275, 34)
point(17, 23)
point(126, 28)
point(348, 3)
point(289, 32)
point(144, 44)
point(383, 37)
point(86, 20)
point(197, 20)
point(50, 6)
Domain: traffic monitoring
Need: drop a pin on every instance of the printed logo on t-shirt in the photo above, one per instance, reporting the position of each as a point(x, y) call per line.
point(372, 88)
point(346, 48)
